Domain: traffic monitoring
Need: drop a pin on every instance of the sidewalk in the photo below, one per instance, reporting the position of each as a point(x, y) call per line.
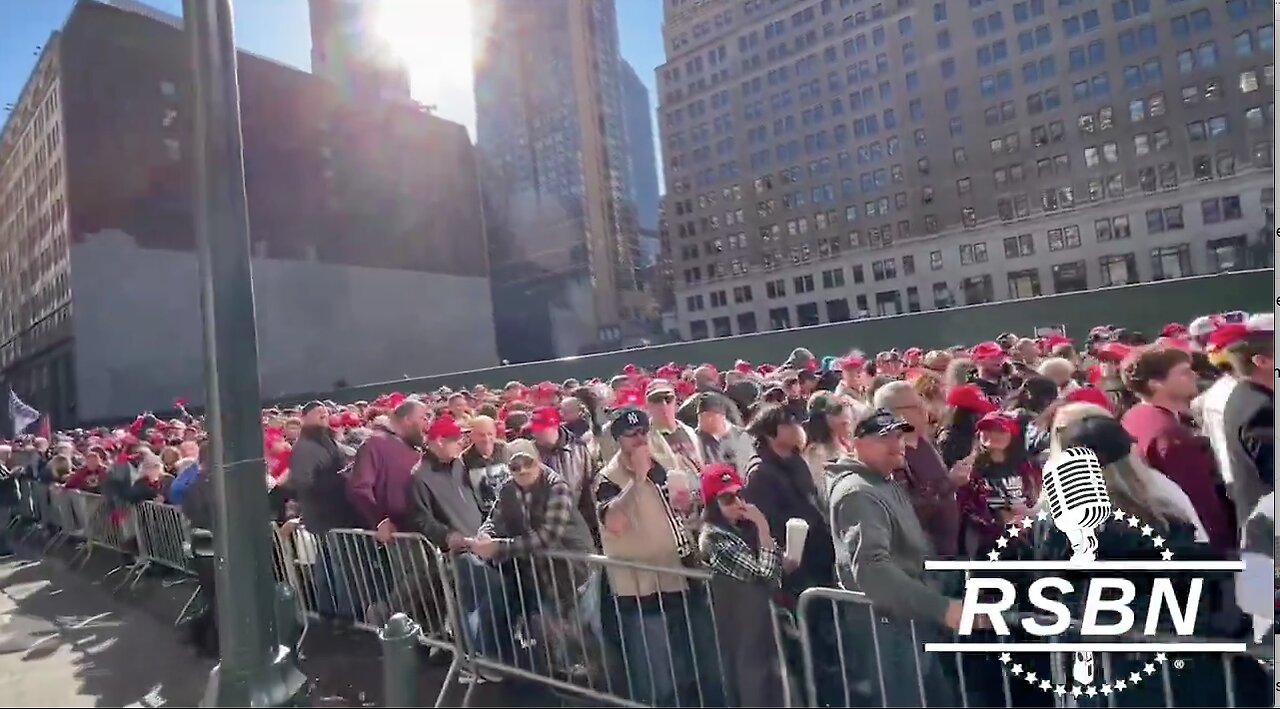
point(66, 641)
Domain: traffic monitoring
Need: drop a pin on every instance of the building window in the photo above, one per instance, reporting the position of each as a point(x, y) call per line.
point(698, 330)
point(807, 314)
point(1171, 262)
point(857, 273)
point(747, 323)
point(942, 296)
point(935, 260)
point(775, 289)
point(1119, 270)
point(884, 269)
point(888, 303)
point(969, 217)
point(779, 318)
point(1227, 254)
point(973, 253)
point(838, 310)
point(803, 284)
point(833, 278)
point(908, 265)
point(1221, 209)
point(1112, 229)
point(1065, 238)
point(1024, 284)
point(721, 327)
point(978, 290)
point(1069, 277)
point(1018, 246)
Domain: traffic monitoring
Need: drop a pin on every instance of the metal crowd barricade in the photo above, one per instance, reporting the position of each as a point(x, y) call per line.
point(349, 575)
point(164, 540)
point(574, 623)
point(873, 660)
point(68, 518)
point(854, 655)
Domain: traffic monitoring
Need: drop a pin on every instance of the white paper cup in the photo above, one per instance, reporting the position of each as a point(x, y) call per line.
point(797, 532)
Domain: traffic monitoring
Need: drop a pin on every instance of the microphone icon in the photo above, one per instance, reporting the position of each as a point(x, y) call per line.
point(1078, 502)
point(1078, 499)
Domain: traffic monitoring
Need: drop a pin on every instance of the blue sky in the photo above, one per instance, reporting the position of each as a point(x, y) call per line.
point(279, 29)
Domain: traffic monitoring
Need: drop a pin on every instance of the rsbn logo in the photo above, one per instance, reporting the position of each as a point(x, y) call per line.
point(1075, 498)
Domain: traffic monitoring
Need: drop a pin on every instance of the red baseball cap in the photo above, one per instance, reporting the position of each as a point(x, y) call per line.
point(970, 398)
point(742, 366)
point(1174, 329)
point(718, 479)
point(852, 362)
point(444, 427)
point(987, 350)
point(1089, 395)
point(1113, 352)
point(997, 421)
point(544, 418)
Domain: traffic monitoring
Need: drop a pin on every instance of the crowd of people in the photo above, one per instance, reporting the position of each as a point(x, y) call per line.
point(887, 459)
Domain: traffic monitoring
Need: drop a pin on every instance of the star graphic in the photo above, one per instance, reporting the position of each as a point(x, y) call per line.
point(1042, 514)
point(1005, 657)
point(1149, 668)
point(1045, 684)
point(993, 555)
point(1121, 684)
point(1027, 522)
point(1134, 677)
point(1059, 690)
point(1106, 689)
point(1075, 692)
point(1147, 530)
point(1031, 677)
point(1161, 657)
point(1157, 541)
point(1166, 555)
point(1091, 691)
point(1118, 514)
point(1002, 542)
point(1016, 669)
point(1133, 521)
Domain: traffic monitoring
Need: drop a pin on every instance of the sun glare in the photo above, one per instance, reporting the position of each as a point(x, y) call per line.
point(432, 37)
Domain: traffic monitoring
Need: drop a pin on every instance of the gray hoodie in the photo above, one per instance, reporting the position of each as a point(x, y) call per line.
point(879, 543)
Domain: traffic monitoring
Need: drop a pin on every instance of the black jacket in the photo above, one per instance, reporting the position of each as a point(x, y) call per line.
point(783, 488)
point(316, 476)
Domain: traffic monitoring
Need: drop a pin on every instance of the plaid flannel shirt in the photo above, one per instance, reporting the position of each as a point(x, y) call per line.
point(727, 553)
point(530, 532)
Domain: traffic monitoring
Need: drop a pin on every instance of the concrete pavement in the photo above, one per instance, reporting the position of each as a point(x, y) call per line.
point(65, 641)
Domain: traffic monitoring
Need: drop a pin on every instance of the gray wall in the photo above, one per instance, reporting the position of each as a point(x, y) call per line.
point(138, 333)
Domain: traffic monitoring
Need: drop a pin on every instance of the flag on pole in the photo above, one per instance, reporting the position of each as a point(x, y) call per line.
point(22, 414)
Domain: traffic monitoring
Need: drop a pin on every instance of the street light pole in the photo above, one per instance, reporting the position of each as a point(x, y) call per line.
point(256, 670)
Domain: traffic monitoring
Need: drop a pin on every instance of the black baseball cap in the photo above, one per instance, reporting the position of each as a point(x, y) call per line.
point(1105, 436)
point(311, 406)
point(628, 420)
point(881, 422)
point(709, 401)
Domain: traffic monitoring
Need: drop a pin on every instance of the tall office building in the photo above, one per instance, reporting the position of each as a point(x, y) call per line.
point(829, 159)
point(638, 120)
point(364, 218)
point(346, 48)
point(550, 130)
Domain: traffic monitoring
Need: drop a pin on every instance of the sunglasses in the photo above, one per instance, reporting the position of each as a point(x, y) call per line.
point(662, 399)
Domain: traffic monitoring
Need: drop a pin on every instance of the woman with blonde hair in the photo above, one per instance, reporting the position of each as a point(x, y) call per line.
point(1061, 371)
point(1133, 485)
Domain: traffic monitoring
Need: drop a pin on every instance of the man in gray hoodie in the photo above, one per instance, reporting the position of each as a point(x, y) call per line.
point(447, 511)
point(880, 550)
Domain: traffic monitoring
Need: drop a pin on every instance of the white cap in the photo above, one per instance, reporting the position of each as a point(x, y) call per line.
point(1202, 326)
point(1261, 322)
